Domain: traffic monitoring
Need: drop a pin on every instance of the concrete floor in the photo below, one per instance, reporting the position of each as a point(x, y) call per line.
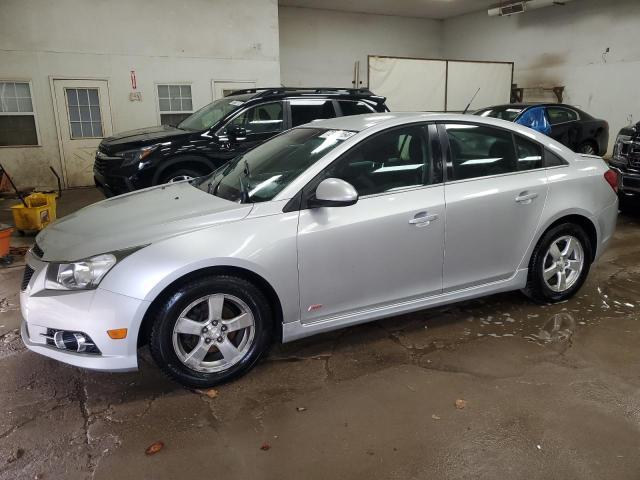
point(550, 391)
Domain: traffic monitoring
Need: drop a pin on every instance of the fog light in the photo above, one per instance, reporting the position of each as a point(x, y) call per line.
point(117, 334)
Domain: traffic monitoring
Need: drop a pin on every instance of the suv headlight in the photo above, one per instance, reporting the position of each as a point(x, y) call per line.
point(132, 157)
point(83, 274)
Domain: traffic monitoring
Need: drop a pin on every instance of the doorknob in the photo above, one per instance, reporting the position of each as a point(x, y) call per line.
point(422, 219)
point(526, 198)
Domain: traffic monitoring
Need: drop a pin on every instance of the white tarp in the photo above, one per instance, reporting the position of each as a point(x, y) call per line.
point(438, 85)
point(493, 80)
point(408, 84)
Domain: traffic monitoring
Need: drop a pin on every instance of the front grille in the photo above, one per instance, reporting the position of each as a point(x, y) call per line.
point(26, 277)
point(37, 251)
point(103, 164)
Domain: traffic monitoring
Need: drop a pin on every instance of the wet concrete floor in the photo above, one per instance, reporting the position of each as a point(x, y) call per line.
point(549, 392)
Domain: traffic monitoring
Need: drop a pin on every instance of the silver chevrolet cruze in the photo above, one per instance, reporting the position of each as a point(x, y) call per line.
point(327, 225)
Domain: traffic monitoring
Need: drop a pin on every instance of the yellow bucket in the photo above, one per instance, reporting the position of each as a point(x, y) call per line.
point(39, 212)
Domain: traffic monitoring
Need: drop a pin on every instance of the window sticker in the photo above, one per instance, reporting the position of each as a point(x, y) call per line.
point(235, 103)
point(339, 135)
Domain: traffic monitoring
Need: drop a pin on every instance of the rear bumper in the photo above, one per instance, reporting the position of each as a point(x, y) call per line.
point(607, 220)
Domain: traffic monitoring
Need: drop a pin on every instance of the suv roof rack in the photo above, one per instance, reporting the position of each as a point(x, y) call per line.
point(267, 91)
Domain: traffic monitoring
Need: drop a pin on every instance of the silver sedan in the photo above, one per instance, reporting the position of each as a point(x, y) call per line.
point(327, 225)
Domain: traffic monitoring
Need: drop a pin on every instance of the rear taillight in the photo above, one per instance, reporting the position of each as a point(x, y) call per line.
point(612, 179)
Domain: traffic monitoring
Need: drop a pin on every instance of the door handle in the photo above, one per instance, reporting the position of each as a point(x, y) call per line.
point(423, 219)
point(526, 198)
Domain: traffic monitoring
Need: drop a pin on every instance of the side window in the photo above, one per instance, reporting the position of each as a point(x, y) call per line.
point(552, 160)
point(265, 118)
point(389, 161)
point(307, 110)
point(349, 107)
point(561, 115)
point(529, 154)
point(479, 151)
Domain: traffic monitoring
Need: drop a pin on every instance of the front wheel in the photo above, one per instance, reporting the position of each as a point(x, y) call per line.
point(211, 330)
point(559, 265)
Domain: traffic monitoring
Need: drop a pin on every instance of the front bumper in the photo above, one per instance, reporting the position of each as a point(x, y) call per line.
point(628, 182)
point(90, 311)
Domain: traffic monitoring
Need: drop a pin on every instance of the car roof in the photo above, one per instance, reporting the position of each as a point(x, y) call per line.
point(359, 123)
point(271, 93)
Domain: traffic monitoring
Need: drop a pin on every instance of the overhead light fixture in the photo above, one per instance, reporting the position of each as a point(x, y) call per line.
point(513, 8)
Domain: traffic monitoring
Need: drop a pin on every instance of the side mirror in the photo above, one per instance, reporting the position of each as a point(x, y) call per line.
point(236, 132)
point(333, 192)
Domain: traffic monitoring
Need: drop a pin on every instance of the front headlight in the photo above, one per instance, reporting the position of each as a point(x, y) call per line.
point(132, 157)
point(83, 274)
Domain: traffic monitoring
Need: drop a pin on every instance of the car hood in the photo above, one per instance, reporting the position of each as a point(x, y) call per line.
point(134, 219)
point(141, 137)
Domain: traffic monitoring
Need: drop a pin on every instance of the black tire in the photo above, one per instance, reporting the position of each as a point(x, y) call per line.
point(179, 172)
point(589, 148)
point(166, 316)
point(536, 287)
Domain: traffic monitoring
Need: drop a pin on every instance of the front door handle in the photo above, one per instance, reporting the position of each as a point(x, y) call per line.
point(526, 198)
point(423, 219)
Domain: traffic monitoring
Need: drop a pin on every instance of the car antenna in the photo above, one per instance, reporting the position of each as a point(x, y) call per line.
point(471, 101)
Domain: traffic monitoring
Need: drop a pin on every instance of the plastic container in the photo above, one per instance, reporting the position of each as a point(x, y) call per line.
point(5, 239)
point(39, 212)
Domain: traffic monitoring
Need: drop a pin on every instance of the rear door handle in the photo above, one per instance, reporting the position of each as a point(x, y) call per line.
point(423, 219)
point(526, 198)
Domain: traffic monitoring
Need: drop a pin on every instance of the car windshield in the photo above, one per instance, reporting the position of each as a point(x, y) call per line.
point(260, 174)
point(210, 114)
point(505, 112)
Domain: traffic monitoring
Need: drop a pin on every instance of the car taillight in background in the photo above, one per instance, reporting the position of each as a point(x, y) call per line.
point(612, 179)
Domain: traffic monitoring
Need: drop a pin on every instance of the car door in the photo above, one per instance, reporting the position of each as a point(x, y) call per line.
point(564, 125)
point(495, 191)
point(256, 124)
point(386, 248)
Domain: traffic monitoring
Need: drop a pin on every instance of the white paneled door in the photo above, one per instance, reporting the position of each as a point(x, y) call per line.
point(84, 119)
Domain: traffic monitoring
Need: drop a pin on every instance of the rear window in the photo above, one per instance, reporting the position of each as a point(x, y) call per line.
point(307, 110)
point(503, 113)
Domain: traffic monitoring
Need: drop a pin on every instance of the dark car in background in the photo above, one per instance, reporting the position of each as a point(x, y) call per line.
point(626, 161)
point(569, 125)
point(217, 133)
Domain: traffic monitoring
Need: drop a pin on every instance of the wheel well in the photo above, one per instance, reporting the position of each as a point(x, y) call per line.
point(586, 224)
point(261, 283)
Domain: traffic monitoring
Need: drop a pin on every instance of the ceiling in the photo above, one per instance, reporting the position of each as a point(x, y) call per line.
point(438, 9)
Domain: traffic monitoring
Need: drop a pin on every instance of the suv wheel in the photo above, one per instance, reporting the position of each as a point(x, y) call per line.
point(211, 330)
point(179, 175)
point(559, 264)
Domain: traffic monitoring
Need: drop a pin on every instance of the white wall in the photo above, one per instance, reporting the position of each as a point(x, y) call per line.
point(563, 46)
point(319, 47)
point(163, 40)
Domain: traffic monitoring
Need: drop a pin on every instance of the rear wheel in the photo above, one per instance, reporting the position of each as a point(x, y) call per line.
point(559, 265)
point(211, 330)
point(588, 148)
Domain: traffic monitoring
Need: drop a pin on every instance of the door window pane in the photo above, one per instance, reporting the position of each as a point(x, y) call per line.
point(529, 154)
point(561, 115)
point(307, 110)
point(479, 151)
point(349, 107)
point(265, 118)
point(83, 107)
point(552, 160)
point(390, 161)
point(17, 119)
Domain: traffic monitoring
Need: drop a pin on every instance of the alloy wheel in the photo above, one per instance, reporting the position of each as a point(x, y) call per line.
point(587, 149)
point(180, 178)
point(563, 263)
point(213, 333)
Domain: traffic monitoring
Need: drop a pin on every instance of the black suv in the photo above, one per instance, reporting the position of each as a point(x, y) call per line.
point(218, 132)
point(626, 161)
